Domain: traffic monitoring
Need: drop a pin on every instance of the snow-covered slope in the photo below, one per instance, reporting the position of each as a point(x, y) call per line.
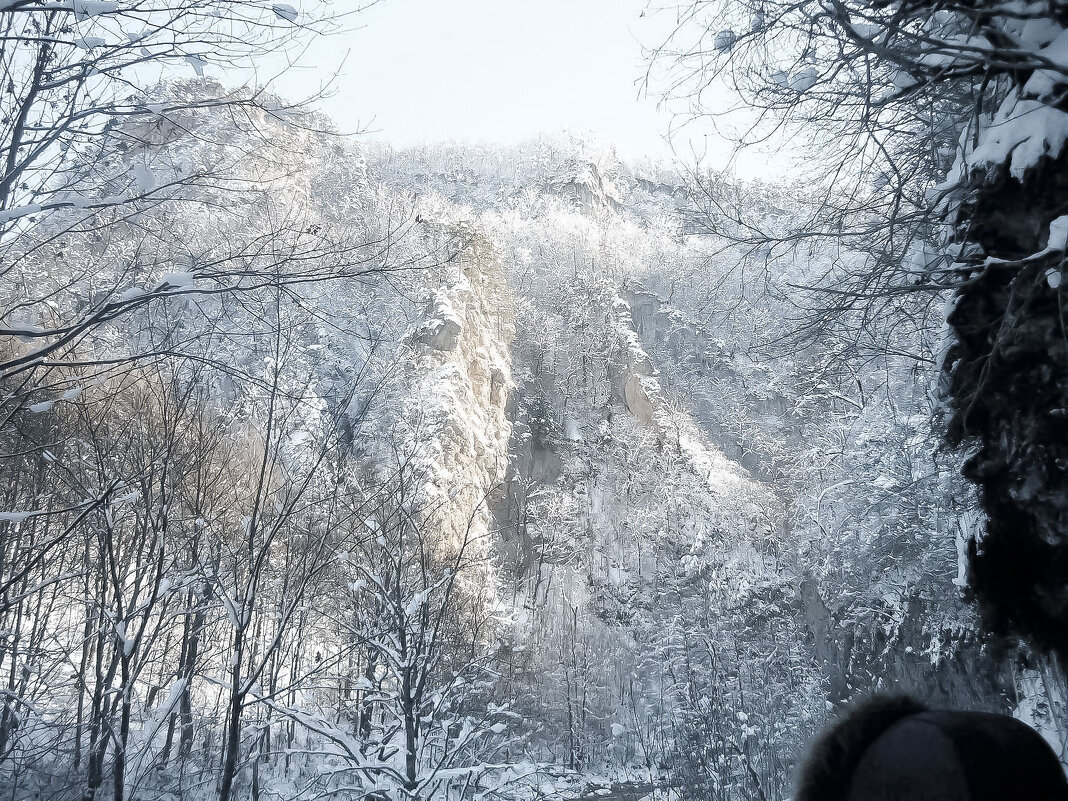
point(570, 510)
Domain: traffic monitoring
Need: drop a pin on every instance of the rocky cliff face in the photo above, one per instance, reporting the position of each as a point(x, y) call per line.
point(667, 506)
point(630, 542)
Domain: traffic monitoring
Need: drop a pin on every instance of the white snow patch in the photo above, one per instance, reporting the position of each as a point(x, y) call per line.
point(724, 40)
point(968, 528)
point(197, 63)
point(866, 30)
point(285, 11)
point(132, 293)
point(144, 177)
point(572, 431)
point(83, 9)
point(804, 80)
point(1058, 234)
point(175, 281)
point(1022, 132)
point(18, 211)
point(89, 42)
point(1043, 83)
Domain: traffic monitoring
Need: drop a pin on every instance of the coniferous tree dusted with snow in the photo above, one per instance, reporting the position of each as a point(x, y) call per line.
point(953, 177)
point(1007, 373)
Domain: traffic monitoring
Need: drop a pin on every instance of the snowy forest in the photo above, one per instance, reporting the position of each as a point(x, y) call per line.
point(333, 469)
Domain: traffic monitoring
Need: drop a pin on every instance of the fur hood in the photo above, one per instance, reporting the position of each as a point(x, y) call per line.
point(892, 748)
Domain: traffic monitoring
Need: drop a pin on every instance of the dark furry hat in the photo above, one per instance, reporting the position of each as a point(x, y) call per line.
point(892, 748)
point(828, 768)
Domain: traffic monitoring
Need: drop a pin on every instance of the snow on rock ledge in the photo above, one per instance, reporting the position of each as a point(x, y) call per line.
point(444, 325)
point(637, 385)
point(460, 372)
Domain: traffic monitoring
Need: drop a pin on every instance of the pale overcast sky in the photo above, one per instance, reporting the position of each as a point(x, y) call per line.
point(494, 71)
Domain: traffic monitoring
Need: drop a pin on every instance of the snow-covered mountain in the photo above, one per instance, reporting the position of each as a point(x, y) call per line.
point(465, 470)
